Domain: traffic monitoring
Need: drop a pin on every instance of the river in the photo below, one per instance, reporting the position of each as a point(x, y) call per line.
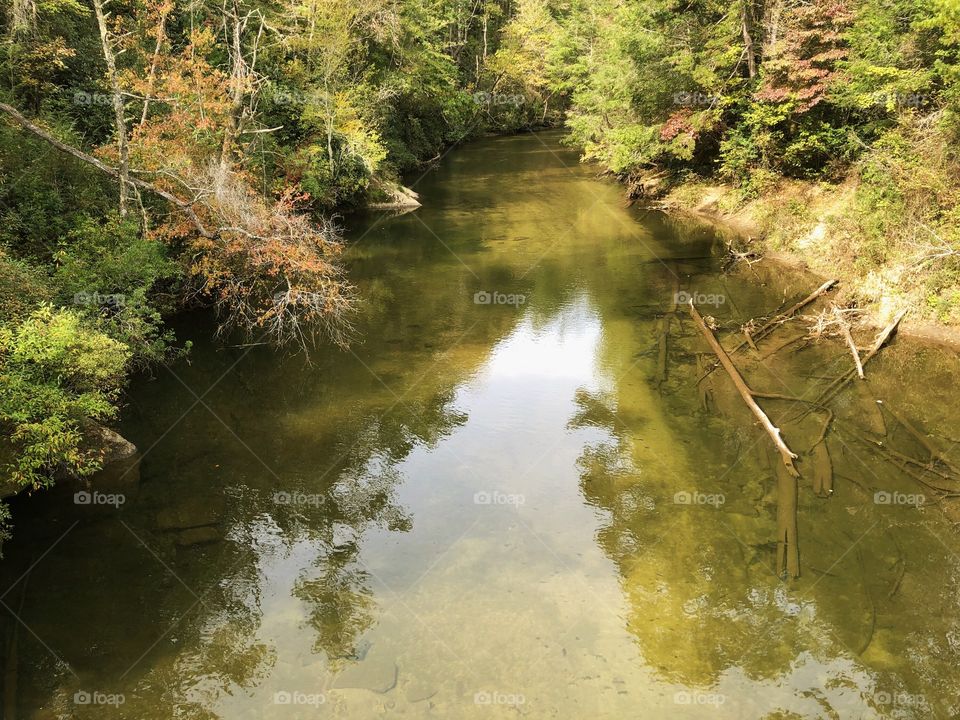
point(506, 498)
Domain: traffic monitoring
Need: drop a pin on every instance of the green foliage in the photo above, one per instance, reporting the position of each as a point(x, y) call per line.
point(665, 84)
point(22, 289)
point(908, 201)
point(110, 256)
point(118, 278)
point(56, 371)
point(43, 195)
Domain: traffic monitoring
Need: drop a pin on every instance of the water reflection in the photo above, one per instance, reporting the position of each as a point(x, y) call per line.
point(489, 510)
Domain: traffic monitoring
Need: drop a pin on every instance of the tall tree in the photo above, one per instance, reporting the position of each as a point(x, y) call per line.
point(119, 113)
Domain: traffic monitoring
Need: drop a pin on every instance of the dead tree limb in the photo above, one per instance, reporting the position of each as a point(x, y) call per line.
point(845, 331)
point(787, 314)
point(785, 452)
point(935, 453)
point(185, 207)
point(768, 326)
point(819, 455)
point(837, 385)
point(833, 389)
point(883, 336)
point(907, 465)
point(783, 345)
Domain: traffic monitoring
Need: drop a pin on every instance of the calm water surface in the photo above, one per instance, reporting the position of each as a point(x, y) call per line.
point(504, 508)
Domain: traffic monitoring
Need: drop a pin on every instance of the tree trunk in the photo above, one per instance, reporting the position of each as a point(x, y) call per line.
point(330, 125)
point(23, 17)
point(238, 75)
point(118, 109)
point(772, 14)
point(747, 27)
point(485, 42)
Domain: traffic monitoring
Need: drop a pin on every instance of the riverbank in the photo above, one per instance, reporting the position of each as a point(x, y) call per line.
point(809, 225)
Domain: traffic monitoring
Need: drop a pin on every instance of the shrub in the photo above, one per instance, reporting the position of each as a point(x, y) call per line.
point(115, 276)
point(56, 371)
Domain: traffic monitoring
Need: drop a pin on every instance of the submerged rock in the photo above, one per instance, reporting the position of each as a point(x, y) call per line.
point(121, 459)
point(191, 512)
point(395, 196)
point(197, 536)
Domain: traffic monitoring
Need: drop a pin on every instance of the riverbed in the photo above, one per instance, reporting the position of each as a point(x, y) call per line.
point(509, 496)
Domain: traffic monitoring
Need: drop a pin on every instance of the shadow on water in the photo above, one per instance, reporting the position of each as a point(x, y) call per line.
point(510, 496)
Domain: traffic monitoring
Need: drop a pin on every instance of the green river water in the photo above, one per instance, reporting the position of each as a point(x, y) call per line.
point(496, 509)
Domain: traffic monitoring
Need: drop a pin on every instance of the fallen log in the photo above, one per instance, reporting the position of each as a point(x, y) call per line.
point(785, 452)
point(767, 327)
point(818, 454)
